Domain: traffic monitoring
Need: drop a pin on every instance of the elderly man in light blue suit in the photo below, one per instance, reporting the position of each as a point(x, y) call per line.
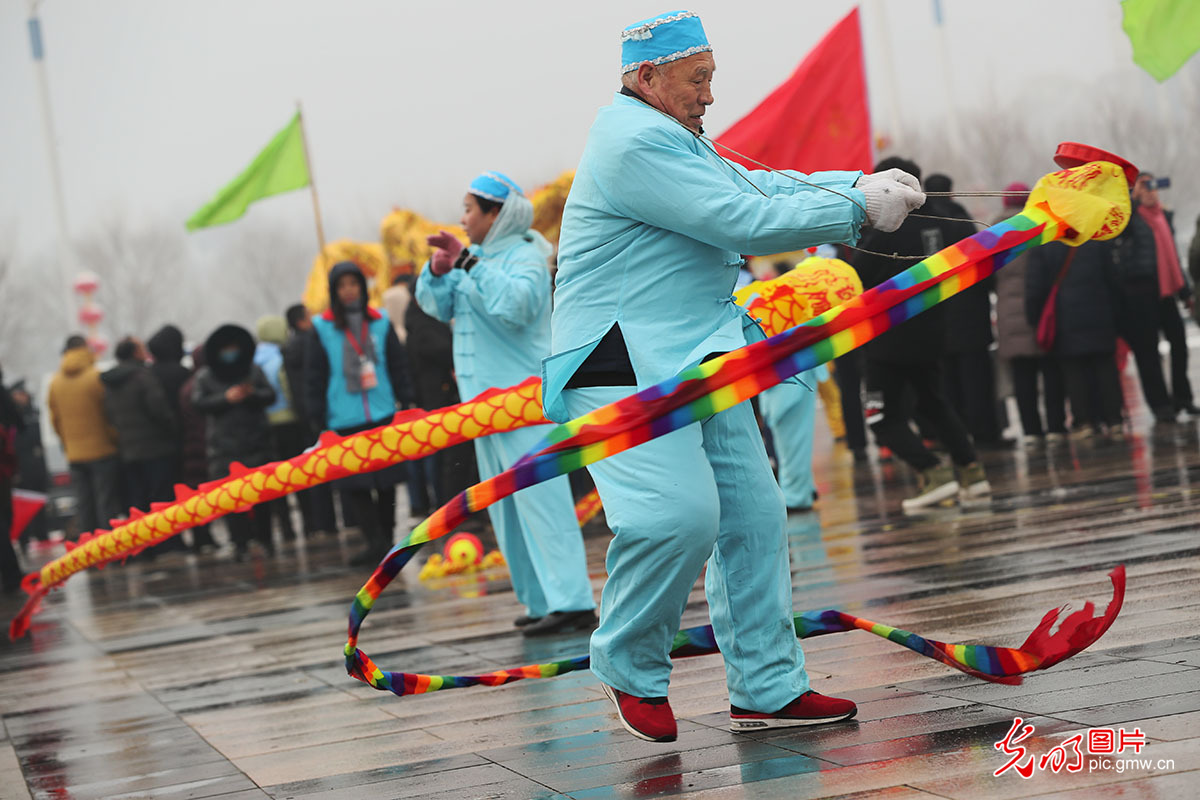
point(648, 258)
point(497, 294)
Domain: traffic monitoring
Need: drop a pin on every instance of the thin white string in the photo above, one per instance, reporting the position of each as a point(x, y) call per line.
point(705, 140)
point(708, 143)
point(986, 193)
point(949, 219)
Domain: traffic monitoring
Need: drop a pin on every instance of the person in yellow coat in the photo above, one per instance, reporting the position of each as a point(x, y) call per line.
point(76, 403)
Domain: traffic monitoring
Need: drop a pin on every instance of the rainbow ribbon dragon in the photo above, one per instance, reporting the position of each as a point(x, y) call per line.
point(409, 435)
point(1074, 205)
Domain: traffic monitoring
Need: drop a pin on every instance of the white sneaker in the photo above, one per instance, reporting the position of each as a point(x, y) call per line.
point(937, 486)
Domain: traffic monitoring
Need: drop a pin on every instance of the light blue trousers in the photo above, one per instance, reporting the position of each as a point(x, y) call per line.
point(790, 412)
point(704, 493)
point(537, 531)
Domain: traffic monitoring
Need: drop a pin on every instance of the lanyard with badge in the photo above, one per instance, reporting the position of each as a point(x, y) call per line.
point(366, 367)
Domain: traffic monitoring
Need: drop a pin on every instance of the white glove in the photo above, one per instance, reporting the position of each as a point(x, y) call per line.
point(893, 174)
point(888, 202)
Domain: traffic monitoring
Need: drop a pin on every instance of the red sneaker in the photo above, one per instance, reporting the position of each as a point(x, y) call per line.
point(810, 708)
point(649, 718)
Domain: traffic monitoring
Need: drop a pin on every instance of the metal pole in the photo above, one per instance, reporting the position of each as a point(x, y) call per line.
point(65, 259)
point(952, 127)
point(883, 37)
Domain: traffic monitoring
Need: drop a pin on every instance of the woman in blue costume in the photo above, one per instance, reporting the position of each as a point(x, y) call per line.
point(497, 294)
point(648, 258)
point(790, 412)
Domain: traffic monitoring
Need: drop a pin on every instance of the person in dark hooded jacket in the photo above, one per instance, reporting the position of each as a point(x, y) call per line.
point(234, 394)
point(193, 467)
point(146, 426)
point(10, 423)
point(1017, 344)
point(355, 377)
point(1152, 285)
point(166, 348)
point(316, 503)
point(908, 358)
point(1087, 308)
point(970, 378)
point(31, 460)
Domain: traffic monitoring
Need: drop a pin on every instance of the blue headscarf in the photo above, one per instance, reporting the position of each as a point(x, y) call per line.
point(516, 212)
point(494, 186)
point(667, 37)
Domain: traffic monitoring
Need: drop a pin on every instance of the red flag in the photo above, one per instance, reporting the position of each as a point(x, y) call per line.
point(25, 507)
point(818, 118)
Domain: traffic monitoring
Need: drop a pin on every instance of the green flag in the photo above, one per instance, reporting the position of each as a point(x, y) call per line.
point(280, 167)
point(1164, 34)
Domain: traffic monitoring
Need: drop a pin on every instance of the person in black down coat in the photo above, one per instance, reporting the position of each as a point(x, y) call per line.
point(1085, 338)
point(316, 504)
point(234, 394)
point(146, 427)
point(32, 474)
point(166, 348)
point(908, 358)
point(970, 376)
point(1152, 286)
point(1017, 340)
point(10, 423)
point(193, 469)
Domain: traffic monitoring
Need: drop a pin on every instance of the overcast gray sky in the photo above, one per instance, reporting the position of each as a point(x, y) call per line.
point(158, 103)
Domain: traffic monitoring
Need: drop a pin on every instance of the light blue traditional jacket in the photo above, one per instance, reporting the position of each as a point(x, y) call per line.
point(269, 358)
point(500, 309)
point(652, 238)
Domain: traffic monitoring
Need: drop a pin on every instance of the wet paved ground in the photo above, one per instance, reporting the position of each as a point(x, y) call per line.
point(200, 677)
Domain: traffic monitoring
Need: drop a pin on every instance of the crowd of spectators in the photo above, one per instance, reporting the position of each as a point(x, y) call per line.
point(161, 416)
point(1059, 321)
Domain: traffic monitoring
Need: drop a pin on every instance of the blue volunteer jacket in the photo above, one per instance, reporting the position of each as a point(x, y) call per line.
point(344, 409)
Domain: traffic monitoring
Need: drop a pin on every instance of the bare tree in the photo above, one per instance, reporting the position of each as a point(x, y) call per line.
point(1000, 144)
point(32, 324)
point(143, 275)
point(264, 270)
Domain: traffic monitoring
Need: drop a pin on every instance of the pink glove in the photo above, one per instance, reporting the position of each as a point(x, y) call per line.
point(449, 248)
point(441, 262)
point(446, 241)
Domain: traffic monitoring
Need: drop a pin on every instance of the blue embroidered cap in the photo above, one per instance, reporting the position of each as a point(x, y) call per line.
point(494, 186)
point(667, 37)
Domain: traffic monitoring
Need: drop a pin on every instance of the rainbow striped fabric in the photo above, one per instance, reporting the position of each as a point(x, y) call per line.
point(707, 389)
point(997, 664)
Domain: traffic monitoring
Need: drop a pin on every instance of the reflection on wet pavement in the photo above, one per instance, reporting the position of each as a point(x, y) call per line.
point(199, 677)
